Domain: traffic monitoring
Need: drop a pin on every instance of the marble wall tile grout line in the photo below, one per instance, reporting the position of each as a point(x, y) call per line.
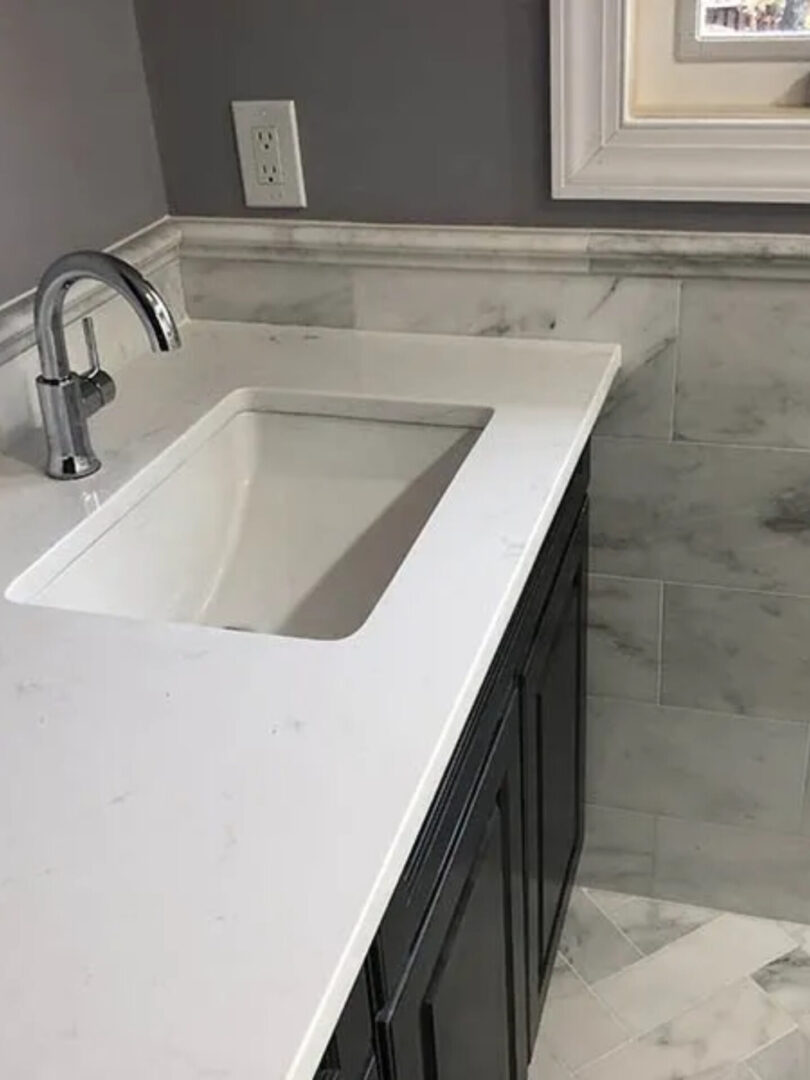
point(676, 361)
point(726, 826)
point(722, 713)
point(803, 794)
point(660, 655)
point(684, 583)
point(762, 829)
point(674, 583)
point(708, 444)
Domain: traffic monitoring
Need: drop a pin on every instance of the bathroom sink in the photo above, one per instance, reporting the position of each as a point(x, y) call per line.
point(267, 516)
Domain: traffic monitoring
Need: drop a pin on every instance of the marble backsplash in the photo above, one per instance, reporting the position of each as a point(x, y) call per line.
point(699, 668)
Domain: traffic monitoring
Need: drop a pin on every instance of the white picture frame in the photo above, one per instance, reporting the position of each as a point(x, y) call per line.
point(600, 151)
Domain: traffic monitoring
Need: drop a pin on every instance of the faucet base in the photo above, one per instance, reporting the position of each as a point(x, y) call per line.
point(72, 468)
point(70, 453)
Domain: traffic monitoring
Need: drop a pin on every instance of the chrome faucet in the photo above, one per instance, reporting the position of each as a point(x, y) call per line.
point(68, 398)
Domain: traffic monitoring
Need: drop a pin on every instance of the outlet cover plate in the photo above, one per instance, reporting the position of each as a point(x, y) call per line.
point(266, 136)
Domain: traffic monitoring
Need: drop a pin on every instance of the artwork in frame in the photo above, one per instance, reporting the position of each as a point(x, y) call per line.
point(745, 30)
point(721, 18)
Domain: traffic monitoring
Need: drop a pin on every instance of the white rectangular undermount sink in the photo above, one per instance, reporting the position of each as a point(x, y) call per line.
point(275, 513)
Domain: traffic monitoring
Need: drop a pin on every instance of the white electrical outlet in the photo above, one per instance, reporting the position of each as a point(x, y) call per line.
point(269, 154)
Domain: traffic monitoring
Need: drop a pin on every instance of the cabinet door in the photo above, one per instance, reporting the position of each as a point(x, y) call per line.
point(459, 1012)
point(553, 725)
point(349, 1052)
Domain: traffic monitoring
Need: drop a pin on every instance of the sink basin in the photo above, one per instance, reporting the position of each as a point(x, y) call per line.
point(264, 517)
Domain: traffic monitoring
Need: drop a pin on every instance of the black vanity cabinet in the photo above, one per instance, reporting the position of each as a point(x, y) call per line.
point(459, 1009)
point(454, 984)
point(552, 695)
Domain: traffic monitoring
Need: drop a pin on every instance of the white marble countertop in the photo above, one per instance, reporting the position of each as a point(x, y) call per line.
point(200, 830)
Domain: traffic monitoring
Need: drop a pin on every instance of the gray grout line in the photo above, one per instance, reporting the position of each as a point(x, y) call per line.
point(660, 657)
point(803, 803)
point(624, 577)
point(703, 443)
point(676, 360)
point(653, 858)
point(696, 709)
point(760, 830)
point(775, 1005)
point(684, 584)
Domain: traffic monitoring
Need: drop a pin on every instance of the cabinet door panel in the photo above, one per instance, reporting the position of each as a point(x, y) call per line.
point(459, 1013)
point(350, 1048)
point(553, 722)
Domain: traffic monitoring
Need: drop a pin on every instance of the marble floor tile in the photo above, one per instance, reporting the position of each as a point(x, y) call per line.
point(660, 987)
point(715, 1035)
point(652, 924)
point(624, 628)
point(688, 763)
point(787, 1058)
point(609, 901)
point(576, 1027)
point(544, 1066)
point(591, 943)
point(734, 1027)
point(787, 981)
point(564, 980)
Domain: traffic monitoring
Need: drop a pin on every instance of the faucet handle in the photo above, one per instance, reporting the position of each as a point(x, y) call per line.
point(97, 387)
point(92, 347)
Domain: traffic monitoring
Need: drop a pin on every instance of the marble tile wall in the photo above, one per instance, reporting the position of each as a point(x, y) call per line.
point(699, 666)
point(717, 515)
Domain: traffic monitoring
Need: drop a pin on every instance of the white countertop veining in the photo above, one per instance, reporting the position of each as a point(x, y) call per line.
point(199, 829)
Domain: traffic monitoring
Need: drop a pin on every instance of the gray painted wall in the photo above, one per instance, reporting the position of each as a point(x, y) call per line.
point(425, 111)
point(78, 158)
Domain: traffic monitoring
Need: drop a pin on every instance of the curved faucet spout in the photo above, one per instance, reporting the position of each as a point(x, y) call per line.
point(150, 306)
point(67, 398)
